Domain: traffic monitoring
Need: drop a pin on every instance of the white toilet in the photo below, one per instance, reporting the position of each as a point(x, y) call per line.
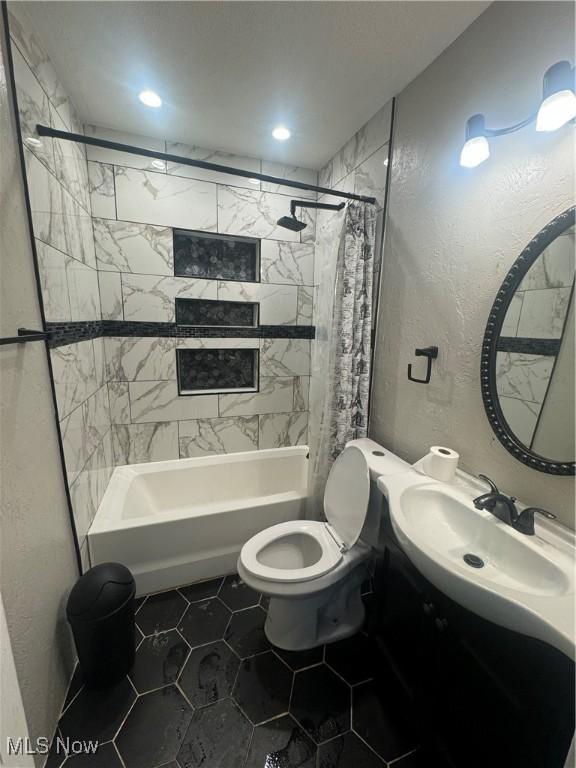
point(313, 571)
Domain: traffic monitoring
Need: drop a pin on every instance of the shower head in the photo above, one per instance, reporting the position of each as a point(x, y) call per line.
point(292, 223)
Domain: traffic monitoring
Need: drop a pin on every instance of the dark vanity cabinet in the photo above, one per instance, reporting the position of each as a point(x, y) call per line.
point(483, 695)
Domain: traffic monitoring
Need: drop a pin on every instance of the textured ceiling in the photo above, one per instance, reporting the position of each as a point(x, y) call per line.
point(229, 71)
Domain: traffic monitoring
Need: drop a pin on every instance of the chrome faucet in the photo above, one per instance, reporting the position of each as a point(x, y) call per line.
point(504, 508)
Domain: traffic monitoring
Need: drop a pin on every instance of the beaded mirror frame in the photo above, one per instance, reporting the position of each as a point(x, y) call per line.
point(490, 347)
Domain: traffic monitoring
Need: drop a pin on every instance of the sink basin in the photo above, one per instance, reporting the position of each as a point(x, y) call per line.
point(524, 583)
point(454, 529)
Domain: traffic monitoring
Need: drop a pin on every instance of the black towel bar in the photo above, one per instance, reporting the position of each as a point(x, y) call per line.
point(24, 335)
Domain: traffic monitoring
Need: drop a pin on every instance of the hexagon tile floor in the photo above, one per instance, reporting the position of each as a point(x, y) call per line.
point(207, 690)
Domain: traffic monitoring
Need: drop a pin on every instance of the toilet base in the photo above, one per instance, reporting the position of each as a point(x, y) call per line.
point(297, 624)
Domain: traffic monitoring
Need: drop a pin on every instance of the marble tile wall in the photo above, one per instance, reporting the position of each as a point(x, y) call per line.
point(136, 208)
point(103, 224)
point(151, 422)
point(537, 311)
point(522, 382)
point(57, 178)
point(136, 205)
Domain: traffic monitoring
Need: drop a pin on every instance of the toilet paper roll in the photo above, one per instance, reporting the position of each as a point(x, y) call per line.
point(441, 463)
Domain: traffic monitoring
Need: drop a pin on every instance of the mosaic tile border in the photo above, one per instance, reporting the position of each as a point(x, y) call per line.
point(529, 346)
point(60, 334)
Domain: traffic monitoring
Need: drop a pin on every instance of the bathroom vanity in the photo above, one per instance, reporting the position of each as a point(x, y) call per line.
point(484, 695)
point(475, 613)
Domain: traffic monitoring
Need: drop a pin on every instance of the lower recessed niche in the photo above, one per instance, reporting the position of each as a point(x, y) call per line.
point(211, 371)
point(216, 313)
point(217, 257)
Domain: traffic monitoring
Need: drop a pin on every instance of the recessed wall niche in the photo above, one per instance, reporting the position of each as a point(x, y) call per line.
point(215, 371)
point(216, 257)
point(211, 312)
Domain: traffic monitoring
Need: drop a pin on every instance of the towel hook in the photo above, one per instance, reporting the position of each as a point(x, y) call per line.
point(430, 353)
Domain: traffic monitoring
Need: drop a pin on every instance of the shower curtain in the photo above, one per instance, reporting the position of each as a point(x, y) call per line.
point(341, 360)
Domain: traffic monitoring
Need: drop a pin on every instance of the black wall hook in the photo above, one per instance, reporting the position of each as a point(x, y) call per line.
point(431, 353)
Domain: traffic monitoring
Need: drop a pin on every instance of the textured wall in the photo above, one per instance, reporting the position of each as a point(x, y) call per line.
point(453, 233)
point(37, 558)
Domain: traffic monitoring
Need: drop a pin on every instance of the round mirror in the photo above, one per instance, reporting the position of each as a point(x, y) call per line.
point(528, 363)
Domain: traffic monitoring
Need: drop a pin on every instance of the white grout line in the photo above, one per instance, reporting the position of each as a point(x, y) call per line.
point(271, 719)
point(126, 716)
point(338, 675)
point(331, 739)
point(179, 688)
point(72, 700)
point(406, 754)
point(235, 676)
point(242, 610)
point(366, 743)
point(187, 643)
point(226, 698)
point(118, 753)
point(245, 762)
point(291, 690)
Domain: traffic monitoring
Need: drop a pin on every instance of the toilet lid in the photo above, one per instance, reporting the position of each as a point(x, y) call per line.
point(347, 494)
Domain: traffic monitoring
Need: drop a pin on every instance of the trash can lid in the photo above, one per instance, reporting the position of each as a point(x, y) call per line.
point(100, 591)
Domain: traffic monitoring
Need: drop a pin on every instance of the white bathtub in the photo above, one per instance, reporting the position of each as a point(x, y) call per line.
point(175, 522)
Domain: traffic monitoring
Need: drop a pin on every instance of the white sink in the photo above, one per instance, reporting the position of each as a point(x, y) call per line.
point(524, 583)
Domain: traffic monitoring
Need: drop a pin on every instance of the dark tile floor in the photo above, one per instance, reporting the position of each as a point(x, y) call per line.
point(207, 690)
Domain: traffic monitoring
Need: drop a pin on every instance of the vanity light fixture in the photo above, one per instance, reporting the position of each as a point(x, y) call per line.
point(476, 148)
point(558, 108)
point(281, 133)
point(559, 105)
point(150, 99)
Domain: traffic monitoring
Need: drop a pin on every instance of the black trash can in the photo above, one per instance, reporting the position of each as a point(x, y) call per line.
point(100, 610)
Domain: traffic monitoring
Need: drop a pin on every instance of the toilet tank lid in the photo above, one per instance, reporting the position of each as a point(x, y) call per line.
point(347, 494)
point(380, 460)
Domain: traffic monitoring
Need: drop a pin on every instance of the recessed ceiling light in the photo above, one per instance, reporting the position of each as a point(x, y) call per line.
point(32, 141)
point(385, 162)
point(254, 181)
point(150, 99)
point(281, 133)
point(159, 164)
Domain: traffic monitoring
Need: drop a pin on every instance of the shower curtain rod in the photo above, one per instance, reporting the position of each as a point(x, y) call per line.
point(79, 138)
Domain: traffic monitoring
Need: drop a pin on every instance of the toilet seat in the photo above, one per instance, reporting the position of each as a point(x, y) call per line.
point(302, 550)
point(322, 535)
point(347, 494)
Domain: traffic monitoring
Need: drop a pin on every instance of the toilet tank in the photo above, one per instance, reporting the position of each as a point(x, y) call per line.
point(380, 461)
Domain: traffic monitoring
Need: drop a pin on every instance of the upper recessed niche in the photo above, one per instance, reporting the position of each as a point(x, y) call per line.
point(216, 257)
